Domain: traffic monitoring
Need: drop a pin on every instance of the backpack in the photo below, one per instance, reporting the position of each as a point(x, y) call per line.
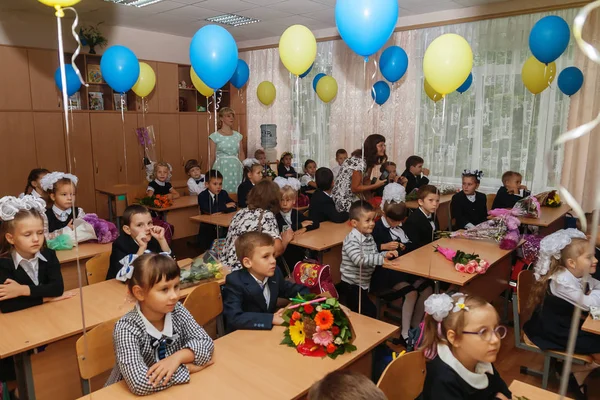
point(315, 276)
point(415, 337)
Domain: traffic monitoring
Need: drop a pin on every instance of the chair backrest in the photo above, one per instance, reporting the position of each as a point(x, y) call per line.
point(99, 356)
point(403, 378)
point(233, 196)
point(525, 283)
point(137, 192)
point(205, 302)
point(97, 267)
point(490, 200)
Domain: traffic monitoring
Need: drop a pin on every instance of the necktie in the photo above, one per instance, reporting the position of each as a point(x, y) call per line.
point(162, 349)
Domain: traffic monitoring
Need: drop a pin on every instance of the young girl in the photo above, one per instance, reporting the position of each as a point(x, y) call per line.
point(461, 338)
point(261, 156)
point(564, 258)
point(159, 184)
point(61, 188)
point(225, 145)
point(158, 343)
point(308, 179)
point(285, 169)
point(34, 186)
point(469, 207)
point(253, 173)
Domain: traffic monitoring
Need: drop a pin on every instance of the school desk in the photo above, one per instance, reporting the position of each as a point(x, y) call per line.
point(68, 262)
point(591, 325)
point(253, 356)
point(221, 219)
point(551, 219)
point(179, 215)
point(521, 389)
point(443, 211)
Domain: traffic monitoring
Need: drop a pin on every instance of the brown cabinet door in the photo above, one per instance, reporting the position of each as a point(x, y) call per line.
point(188, 135)
point(203, 132)
point(238, 99)
point(134, 174)
point(170, 145)
point(168, 92)
point(14, 79)
point(18, 152)
point(80, 139)
point(45, 95)
point(50, 140)
point(243, 129)
point(151, 101)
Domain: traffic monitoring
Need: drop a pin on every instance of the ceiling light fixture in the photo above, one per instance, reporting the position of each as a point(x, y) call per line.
point(232, 20)
point(135, 3)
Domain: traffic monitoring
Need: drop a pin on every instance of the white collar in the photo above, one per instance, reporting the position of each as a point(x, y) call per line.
point(287, 168)
point(471, 197)
point(262, 283)
point(387, 225)
point(212, 195)
point(286, 213)
point(328, 194)
point(17, 258)
point(151, 329)
point(35, 194)
point(61, 213)
point(159, 183)
point(423, 211)
point(566, 278)
point(477, 379)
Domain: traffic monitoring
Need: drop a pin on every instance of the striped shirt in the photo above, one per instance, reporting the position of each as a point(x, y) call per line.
point(359, 249)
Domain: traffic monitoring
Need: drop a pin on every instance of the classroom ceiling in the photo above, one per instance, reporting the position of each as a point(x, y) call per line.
point(185, 17)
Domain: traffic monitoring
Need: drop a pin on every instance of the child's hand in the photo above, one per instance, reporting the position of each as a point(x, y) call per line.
point(70, 224)
point(391, 254)
point(278, 317)
point(501, 396)
point(193, 368)
point(403, 181)
point(158, 233)
point(11, 289)
point(401, 246)
point(299, 232)
point(66, 295)
point(287, 236)
point(390, 246)
point(230, 205)
point(162, 371)
point(381, 182)
point(522, 187)
point(142, 241)
point(426, 171)
point(392, 177)
point(307, 223)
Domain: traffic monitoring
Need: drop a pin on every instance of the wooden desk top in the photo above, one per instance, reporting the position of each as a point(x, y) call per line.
point(327, 236)
point(591, 325)
point(124, 188)
point(414, 204)
point(547, 215)
point(259, 355)
point(223, 220)
point(522, 389)
point(181, 202)
point(86, 250)
point(429, 264)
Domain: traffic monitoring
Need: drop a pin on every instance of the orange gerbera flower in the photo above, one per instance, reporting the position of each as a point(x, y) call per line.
point(324, 319)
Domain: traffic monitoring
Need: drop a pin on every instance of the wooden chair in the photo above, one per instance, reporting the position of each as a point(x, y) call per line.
point(403, 378)
point(97, 267)
point(99, 356)
point(205, 303)
point(522, 313)
point(490, 200)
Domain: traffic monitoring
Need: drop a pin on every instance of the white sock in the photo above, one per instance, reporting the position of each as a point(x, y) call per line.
point(420, 306)
point(408, 306)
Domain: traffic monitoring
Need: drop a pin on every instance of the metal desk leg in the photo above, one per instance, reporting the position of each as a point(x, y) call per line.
point(436, 287)
point(110, 210)
point(24, 376)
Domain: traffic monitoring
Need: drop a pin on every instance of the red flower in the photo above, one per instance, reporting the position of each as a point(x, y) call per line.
point(309, 309)
point(335, 330)
point(296, 316)
point(292, 322)
point(331, 348)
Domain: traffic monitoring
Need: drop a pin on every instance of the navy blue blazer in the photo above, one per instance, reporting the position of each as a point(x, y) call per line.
point(242, 192)
point(244, 305)
point(322, 208)
point(504, 199)
point(414, 182)
point(418, 229)
point(204, 200)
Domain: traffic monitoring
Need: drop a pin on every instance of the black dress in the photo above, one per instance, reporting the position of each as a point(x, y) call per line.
point(54, 223)
point(242, 192)
point(160, 189)
point(465, 212)
point(282, 171)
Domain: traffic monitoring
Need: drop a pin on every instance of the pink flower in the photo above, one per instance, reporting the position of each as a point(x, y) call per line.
point(479, 269)
point(470, 269)
point(484, 264)
point(473, 264)
point(323, 337)
point(446, 252)
point(460, 267)
point(512, 223)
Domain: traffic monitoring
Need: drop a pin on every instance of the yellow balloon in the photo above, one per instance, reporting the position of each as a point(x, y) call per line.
point(266, 92)
point(297, 49)
point(61, 3)
point(536, 75)
point(146, 81)
point(199, 85)
point(327, 88)
point(447, 63)
point(431, 93)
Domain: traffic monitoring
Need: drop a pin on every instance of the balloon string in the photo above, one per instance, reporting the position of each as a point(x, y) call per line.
point(373, 93)
point(124, 138)
point(78, 49)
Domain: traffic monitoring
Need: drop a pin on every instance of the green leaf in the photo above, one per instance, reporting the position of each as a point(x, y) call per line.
point(287, 341)
point(286, 317)
point(349, 347)
point(331, 301)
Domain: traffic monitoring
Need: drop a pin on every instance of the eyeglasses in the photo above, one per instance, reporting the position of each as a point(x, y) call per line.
point(486, 334)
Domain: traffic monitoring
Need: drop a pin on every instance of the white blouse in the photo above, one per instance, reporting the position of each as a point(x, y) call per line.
point(565, 285)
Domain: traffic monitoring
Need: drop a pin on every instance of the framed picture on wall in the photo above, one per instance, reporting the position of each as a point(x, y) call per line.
point(94, 74)
point(96, 101)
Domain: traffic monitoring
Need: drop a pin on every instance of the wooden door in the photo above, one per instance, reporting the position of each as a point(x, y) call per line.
point(151, 101)
point(50, 140)
point(170, 145)
point(188, 135)
point(18, 151)
point(44, 93)
point(203, 132)
point(168, 91)
point(134, 174)
point(14, 79)
point(82, 164)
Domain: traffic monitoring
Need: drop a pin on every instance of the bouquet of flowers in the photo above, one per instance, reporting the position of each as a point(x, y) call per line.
point(106, 232)
point(549, 199)
point(503, 229)
point(447, 189)
point(317, 326)
point(156, 201)
point(528, 207)
point(464, 262)
point(203, 267)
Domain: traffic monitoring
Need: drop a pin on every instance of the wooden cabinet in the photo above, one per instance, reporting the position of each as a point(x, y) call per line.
point(80, 139)
point(203, 132)
point(132, 171)
point(18, 151)
point(14, 79)
point(45, 95)
point(170, 145)
point(151, 101)
point(188, 137)
point(50, 146)
point(168, 92)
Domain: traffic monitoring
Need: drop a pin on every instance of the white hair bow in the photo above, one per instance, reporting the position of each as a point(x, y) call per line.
point(551, 246)
point(291, 182)
point(249, 162)
point(126, 272)
point(393, 192)
point(10, 206)
point(47, 182)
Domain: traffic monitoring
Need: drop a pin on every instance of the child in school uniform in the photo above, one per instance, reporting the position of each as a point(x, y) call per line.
point(340, 156)
point(508, 195)
point(34, 186)
point(61, 189)
point(250, 294)
point(469, 207)
point(214, 200)
point(422, 223)
point(461, 339)
point(415, 174)
point(160, 182)
point(359, 259)
point(253, 173)
point(138, 236)
point(322, 207)
point(308, 179)
point(563, 260)
point(261, 156)
point(285, 169)
point(158, 343)
point(346, 385)
point(196, 182)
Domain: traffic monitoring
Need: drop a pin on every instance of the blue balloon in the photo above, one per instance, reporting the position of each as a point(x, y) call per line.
point(73, 83)
point(307, 71)
point(316, 80)
point(466, 84)
point(365, 25)
point(214, 55)
point(549, 38)
point(120, 68)
point(570, 80)
point(380, 92)
point(241, 74)
point(393, 63)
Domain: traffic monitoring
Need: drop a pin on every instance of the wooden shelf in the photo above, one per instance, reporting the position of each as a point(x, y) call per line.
point(187, 89)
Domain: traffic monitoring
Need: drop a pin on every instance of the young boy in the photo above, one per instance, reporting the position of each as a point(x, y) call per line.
point(250, 294)
point(215, 199)
point(415, 174)
point(340, 156)
point(509, 194)
point(308, 179)
point(196, 182)
point(347, 385)
point(139, 236)
point(359, 259)
point(261, 156)
point(322, 208)
point(420, 224)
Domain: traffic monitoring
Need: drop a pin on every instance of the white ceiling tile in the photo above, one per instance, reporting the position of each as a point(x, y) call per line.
point(299, 6)
point(263, 2)
point(293, 20)
point(327, 15)
point(228, 6)
point(403, 12)
point(188, 2)
point(190, 13)
point(265, 13)
point(154, 8)
point(328, 2)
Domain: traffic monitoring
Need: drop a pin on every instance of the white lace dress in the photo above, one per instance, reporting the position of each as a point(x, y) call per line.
point(342, 191)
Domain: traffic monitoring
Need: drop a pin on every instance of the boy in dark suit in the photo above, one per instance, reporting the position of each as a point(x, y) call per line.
point(509, 193)
point(214, 200)
point(322, 208)
point(415, 174)
point(421, 223)
point(250, 294)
